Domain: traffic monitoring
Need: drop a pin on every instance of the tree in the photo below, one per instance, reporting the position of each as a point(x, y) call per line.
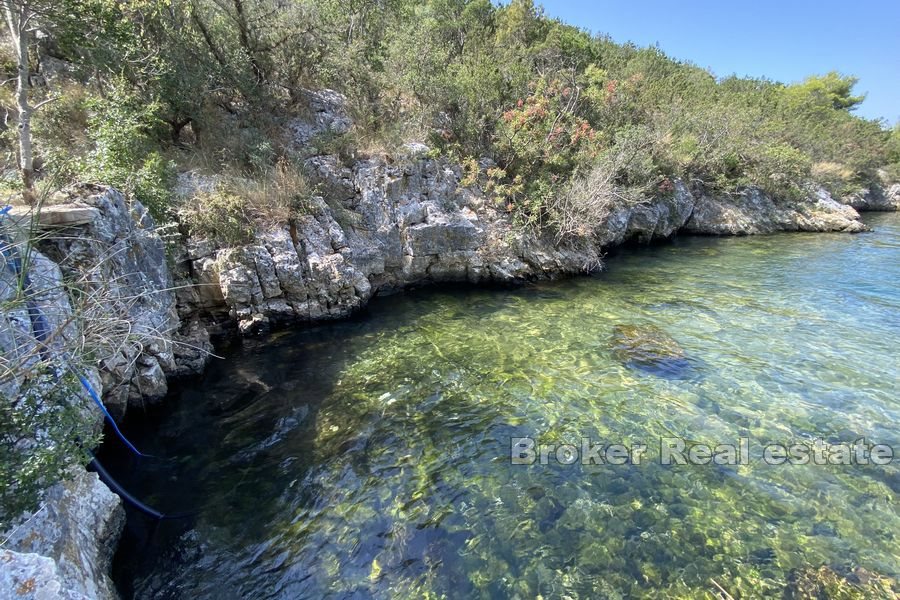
point(71, 23)
point(832, 90)
point(20, 18)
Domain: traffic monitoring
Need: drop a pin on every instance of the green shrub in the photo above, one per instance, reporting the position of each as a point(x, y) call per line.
point(541, 141)
point(42, 433)
point(123, 129)
point(781, 170)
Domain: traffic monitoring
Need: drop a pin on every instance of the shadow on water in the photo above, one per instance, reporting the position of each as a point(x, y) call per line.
point(371, 457)
point(227, 439)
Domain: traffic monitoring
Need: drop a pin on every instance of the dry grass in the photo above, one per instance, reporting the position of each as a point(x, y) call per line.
point(277, 195)
point(239, 206)
point(837, 178)
point(579, 210)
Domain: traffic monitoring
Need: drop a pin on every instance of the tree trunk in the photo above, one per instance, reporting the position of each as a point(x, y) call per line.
point(17, 17)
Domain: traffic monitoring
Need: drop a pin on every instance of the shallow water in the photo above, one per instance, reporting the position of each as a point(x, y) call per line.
point(371, 458)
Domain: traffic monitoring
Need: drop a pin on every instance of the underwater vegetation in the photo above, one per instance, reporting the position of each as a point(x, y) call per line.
point(371, 458)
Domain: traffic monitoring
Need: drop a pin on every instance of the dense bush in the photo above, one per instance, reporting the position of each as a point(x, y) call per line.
point(121, 129)
point(212, 84)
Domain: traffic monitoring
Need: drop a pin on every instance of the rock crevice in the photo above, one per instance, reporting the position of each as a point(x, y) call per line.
point(381, 225)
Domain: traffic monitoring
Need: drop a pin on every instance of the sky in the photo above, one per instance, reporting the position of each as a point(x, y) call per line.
point(784, 40)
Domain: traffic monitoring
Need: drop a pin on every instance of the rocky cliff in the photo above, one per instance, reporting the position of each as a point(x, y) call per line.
point(64, 551)
point(376, 225)
point(380, 226)
point(111, 251)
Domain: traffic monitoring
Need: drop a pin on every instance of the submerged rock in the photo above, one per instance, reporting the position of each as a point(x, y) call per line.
point(825, 583)
point(649, 348)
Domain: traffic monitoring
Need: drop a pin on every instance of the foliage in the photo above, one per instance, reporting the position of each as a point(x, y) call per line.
point(541, 140)
point(42, 432)
point(893, 155)
point(231, 213)
point(218, 215)
point(213, 83)
point(121, 130)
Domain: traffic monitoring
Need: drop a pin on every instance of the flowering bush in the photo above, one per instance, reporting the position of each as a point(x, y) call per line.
point(541, 140)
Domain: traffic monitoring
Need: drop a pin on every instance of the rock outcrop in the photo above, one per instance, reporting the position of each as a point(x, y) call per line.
point(379, 226)
point(653, 218)
point(116, 256)
point(64, 550)
point(753, 212)
point(875, 198)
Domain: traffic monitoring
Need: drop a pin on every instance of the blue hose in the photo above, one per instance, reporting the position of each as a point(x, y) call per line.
point(41, 328)
point(96, 398)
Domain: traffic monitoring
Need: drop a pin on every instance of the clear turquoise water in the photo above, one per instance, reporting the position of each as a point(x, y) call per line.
point(370, 458)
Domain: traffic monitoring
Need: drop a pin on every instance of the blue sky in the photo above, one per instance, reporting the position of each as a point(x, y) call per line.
point(783, 40)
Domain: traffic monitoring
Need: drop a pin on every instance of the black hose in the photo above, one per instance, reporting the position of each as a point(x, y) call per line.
point(114, 485)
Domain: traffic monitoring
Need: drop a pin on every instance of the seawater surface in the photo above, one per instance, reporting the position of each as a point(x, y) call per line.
point(371, 457)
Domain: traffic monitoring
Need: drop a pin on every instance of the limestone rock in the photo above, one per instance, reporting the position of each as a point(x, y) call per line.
point(32, 577)
point(122, 259)
point(57, 215)
point(47, 295)
point(326, 114)
point(380, 225)
point(893, 195)
point(651, 219)
point(434, 238)
point(874, 198)
point(754, 212)
point(65, 549)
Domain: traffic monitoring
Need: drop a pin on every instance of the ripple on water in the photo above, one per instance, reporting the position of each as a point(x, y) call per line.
point(369, 458)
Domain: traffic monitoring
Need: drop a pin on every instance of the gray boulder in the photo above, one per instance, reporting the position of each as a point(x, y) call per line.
point(754, 212)
point(874, 198)
point(65, 549)
point(648, 219)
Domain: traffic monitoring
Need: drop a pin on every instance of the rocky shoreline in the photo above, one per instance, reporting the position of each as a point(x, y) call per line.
point(377, 226)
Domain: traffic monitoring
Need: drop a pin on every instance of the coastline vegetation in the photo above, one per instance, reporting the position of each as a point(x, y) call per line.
point(129, 93)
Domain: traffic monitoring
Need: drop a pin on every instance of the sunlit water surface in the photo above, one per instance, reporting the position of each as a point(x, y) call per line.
point(370, 458)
